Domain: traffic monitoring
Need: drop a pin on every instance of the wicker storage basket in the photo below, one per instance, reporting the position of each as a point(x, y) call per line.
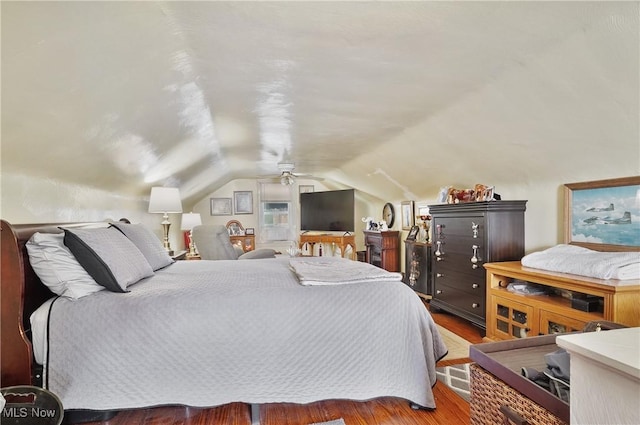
point(489, 394)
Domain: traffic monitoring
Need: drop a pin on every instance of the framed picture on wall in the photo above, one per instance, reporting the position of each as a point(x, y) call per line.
point(408, 219)
point(598, 214)
point(243, 202)
point(221, 206)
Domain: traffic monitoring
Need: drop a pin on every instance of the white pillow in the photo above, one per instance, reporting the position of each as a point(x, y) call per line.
point(57, 268)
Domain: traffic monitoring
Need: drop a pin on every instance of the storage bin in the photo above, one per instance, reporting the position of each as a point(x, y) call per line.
point(492, 400)
point(496, 381)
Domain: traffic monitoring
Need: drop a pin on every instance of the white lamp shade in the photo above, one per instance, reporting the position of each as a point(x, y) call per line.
point(165, 200)
point(190, 220)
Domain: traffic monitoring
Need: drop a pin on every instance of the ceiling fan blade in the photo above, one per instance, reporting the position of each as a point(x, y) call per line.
point(286, 172)
point(308, 177)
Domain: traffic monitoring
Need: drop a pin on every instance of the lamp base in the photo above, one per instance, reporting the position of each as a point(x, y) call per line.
point(165, 227)
point(192, 246)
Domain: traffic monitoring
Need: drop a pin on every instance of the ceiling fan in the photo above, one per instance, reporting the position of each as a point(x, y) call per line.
point(287, 176)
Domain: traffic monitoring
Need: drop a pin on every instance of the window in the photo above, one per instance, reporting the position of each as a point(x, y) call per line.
point(277, 213)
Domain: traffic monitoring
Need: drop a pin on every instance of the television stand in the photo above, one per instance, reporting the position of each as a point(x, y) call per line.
point(341, 241)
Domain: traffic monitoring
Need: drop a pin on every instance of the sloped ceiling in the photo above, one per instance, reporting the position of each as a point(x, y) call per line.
point(394, 98)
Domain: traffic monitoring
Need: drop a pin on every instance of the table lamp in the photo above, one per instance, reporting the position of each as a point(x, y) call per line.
point(189, 221)
point(165, 200)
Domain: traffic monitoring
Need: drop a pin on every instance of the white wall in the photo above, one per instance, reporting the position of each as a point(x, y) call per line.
point(27, 199)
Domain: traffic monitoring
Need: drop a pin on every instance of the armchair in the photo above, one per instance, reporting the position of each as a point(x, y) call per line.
point(213, 243)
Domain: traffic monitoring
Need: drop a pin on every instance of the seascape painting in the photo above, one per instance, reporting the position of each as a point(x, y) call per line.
point(606, 215)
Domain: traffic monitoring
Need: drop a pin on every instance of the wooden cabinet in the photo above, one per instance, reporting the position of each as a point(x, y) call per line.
point(512, 315)
point(465, 236)
point(247, 242)
point(345, 243)
point(383, 249)
point(238, 236)
point(417, 267)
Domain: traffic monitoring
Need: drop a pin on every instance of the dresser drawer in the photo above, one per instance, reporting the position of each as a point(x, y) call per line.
point(463, 245)
point(471, 226)
point(460, 263)
point(462, 300)
point(472, 284)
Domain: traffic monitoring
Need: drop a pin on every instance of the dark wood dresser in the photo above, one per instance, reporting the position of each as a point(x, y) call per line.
point(417, 267)
point(465, 236)
point(383, 249)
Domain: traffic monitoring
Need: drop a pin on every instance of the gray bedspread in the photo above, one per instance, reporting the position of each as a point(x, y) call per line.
point(206, 333)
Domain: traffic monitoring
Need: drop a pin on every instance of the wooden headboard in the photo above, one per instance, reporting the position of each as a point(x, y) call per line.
point(21, 293)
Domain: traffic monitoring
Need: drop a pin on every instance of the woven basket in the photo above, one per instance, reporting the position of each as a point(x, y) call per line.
point(489, 394)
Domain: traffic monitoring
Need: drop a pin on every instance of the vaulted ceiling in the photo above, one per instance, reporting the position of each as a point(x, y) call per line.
point(393, 98)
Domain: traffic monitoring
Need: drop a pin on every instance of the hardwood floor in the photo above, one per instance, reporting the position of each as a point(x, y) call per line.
point(451, 409)
point(460, 327)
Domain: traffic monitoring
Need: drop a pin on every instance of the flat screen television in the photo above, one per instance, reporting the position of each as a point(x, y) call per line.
point(332, 210)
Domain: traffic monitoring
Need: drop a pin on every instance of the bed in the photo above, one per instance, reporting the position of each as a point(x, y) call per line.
point(208, 333)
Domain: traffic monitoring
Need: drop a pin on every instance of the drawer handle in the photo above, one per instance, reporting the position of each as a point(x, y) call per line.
point(438, 252)
point(475, 257)
point(511, 415)
point(474, 228)
point(439, 258)
point(475, 305)
point(439, 274)
point(438, 291)
point(475, 286)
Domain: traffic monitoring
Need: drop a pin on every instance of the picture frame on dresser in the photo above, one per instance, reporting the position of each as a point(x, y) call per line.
point(413, 232)
point(220, 206)
point(598, 214)
point(235, 228)
point(407, 210)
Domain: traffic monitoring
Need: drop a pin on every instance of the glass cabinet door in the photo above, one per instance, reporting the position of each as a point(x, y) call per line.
point(512, 319)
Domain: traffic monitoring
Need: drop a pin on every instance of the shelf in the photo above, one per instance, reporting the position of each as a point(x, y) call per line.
point(553, 303)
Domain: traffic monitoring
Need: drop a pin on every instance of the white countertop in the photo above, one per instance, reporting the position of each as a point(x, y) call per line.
point(617, 348)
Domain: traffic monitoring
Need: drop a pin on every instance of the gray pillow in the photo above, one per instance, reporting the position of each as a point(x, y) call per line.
point(108, 256)
point(147, 243)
